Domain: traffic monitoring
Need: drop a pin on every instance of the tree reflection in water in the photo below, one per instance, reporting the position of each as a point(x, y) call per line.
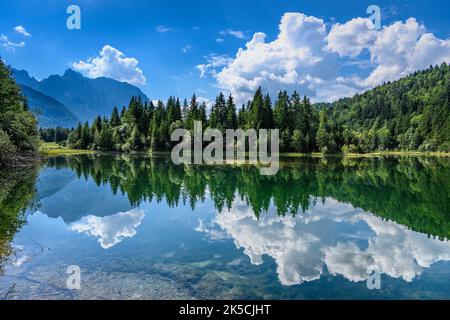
point(411, 191)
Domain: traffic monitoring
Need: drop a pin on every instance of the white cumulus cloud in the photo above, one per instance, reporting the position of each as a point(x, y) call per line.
point(21, 30)
point(402, 48)
point(235, 33)
point(213, 61)
point(309, 57)
point(10, 45)
point(114, 64)
point(351, 38)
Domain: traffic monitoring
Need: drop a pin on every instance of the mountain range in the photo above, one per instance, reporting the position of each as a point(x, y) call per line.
point(68, 99)
point(49, 111)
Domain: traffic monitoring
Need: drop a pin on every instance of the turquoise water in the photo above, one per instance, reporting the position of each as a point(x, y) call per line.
point(141, 228)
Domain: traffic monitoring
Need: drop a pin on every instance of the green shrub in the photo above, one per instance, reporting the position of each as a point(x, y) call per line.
point(7, 148)
point(429, 145)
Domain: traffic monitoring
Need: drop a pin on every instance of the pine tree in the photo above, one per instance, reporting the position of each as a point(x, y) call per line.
point(281, 111)
point(297, 110)
point(242, 117)
point(257, 110)
point(202, 114)
point(306, 124)
point(231, 117)
point(282, 119)
point(192, 113)
point(115, 118)
point(267, 118)
point(123, 112)
point(177, 111)
point(218, 112)
point(185, 111)
point(171, 112)
point(86, 137)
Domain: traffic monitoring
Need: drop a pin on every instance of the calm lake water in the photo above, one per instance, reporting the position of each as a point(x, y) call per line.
point(143, 228)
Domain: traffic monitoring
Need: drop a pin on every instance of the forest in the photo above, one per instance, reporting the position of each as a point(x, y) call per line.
point(18, 128)
point(411, 114)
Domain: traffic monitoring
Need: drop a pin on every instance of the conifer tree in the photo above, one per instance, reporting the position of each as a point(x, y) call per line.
point(257, 110)
point(115, 118)
point(231, 117)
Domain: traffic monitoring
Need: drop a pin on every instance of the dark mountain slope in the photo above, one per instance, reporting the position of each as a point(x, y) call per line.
point(50, 112)
point(84, 97)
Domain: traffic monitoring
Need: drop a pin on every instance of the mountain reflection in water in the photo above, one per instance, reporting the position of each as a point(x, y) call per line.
point(317, 218)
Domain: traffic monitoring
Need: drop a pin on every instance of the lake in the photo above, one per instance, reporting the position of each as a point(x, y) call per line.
point(142, 228)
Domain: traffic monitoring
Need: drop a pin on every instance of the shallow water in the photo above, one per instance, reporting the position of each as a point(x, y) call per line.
point(141, 228)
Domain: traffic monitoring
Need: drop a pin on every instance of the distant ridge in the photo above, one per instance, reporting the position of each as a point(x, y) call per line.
point(49, 112)
point(85, 98)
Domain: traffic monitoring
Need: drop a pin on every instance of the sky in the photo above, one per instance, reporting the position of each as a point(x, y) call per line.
point(324, 49)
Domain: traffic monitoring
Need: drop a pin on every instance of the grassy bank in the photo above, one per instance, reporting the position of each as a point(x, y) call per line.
point(52, 149)
point(368, 155)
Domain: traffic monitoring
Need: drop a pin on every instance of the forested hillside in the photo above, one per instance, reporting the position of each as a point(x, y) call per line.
point(410, 114)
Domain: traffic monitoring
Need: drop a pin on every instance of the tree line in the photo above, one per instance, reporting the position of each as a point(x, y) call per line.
point(410, 114)
point(146, 126)
point(58, 134)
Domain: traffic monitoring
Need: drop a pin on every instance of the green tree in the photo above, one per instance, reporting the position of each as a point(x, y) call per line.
point(267, 118)
point(85, 137)
point(115, 118)
point(256, 115)
point(324, 138)
point(18, 126)
point(218, 112)
point(231, 117)
point(192, 113)
point(105, 139)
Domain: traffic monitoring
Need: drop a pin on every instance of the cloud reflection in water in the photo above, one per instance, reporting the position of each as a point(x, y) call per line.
point(329, 237)
point(110, 230)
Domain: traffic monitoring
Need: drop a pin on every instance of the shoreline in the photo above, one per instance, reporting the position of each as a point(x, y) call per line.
point(368, 155)
point(54, 152)
point(22, 160)
point(51, 149)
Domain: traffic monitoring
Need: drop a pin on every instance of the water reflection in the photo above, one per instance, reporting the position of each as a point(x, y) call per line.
point(331, 235)
point(414, 192)
point(17, 192)
point(62, 194)
point(228, 232)
point(112, 229)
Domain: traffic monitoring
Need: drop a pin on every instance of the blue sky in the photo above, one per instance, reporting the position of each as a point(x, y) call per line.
point(181, 47)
